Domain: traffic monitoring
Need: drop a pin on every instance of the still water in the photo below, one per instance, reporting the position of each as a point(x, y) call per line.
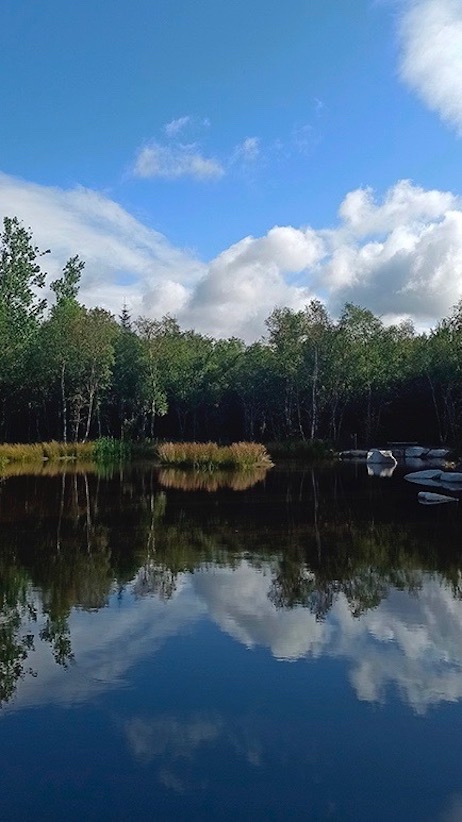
point(279, 646)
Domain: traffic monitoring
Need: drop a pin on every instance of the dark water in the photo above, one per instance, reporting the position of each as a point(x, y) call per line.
point(287, 650)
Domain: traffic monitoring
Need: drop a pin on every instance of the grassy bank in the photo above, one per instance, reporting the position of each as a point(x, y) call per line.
point(209, 456)
point(199, 455)
point(102, 450)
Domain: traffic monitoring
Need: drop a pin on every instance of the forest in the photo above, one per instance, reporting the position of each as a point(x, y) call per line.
point(74, 373)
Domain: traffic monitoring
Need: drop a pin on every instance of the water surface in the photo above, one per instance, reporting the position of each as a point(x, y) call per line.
point(286, 646)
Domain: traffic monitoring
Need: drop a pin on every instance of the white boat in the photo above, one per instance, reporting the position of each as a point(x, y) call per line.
point(384, 457)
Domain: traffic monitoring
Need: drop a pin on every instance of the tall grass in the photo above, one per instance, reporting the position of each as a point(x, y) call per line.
point(40, 451)
point(105, 449)
point(210, 456)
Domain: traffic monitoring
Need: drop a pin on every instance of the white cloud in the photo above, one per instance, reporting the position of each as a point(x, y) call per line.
point(304, 138)
point(244, 283)
point(111, 241)
point(175, 126)
point(173, 162)
point(403, 204)
point(318, 105)
point(431, 55)
point(401, 256)
point(247, 151)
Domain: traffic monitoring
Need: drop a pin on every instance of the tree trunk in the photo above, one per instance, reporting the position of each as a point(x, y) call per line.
point(314, 396)
point(63, 402)
point(153, 417)
point(435, 406)
point(89, 415)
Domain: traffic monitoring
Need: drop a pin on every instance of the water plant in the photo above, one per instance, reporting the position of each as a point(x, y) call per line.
point(210, 456)
point(105, 449)
point(108, 449)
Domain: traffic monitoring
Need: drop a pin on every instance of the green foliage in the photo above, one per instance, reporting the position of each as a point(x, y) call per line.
point(20, 274)
point(107, 449)
point(75, 374)
point(67, 287)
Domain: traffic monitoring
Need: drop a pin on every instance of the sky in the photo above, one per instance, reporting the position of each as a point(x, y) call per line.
point(214, 160)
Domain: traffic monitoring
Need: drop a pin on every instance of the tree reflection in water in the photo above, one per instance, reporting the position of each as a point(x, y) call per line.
point(73, 539)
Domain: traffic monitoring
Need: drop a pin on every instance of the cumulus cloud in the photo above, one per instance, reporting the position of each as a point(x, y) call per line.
point(402, 256)
point(244, 283)
point(403, 204)
point(431, 55)
point(172, 162)
point(399, 256)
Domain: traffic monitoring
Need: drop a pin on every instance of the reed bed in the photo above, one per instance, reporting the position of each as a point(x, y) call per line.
point(209, 456)
point(42, 451)
point(184, 480)
point(105, 449)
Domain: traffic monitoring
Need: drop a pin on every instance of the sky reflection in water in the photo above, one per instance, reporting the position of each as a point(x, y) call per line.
point(218, 661)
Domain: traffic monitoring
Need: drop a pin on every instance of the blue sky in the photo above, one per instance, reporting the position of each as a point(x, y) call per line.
point(197, 155)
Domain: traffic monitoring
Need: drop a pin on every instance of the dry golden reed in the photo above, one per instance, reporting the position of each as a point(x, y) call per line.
point(43, 451)
point(210, 456)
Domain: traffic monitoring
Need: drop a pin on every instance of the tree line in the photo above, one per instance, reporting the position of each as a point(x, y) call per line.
point(69, 372)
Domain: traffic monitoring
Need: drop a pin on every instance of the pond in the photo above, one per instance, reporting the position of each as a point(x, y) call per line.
point(279, 646)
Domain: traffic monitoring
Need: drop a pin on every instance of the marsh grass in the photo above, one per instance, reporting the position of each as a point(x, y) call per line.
point(209, 456)
point(103, 450)
point(40, 451)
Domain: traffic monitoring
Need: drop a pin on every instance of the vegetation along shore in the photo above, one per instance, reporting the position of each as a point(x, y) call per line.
point(73, 374)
